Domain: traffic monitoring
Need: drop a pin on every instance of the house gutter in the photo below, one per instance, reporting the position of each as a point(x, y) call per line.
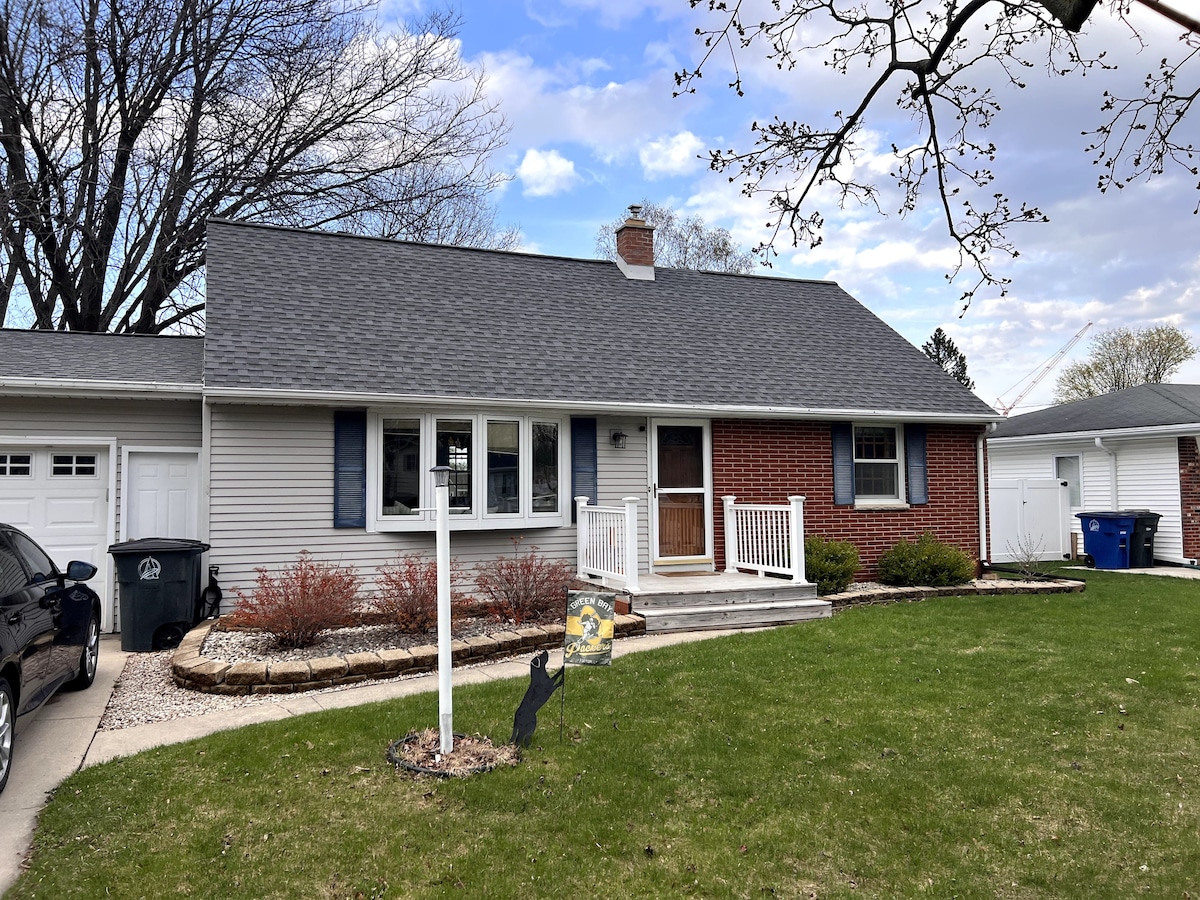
point(57, 387)
point(980, 478)
point(348, 398)
point(1112, 434)
point(1113, 493)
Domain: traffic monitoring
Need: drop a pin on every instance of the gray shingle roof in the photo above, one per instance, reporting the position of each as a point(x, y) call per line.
point(132, 359)
point(1146, 406)
point(300, 311)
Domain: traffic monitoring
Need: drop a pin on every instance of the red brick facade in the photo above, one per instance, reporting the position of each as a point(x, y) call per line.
point(1189, 495)
point(764, 461)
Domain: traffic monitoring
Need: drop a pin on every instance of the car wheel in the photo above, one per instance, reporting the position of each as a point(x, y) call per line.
point(89, 657)
point(8, 721)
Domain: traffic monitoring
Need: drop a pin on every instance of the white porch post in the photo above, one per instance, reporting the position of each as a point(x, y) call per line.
point(631, 536)
point(796, 536)
point(581, 535)
point(731, 547)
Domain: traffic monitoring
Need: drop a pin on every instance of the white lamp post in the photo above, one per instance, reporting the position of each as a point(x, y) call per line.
point(441, 480)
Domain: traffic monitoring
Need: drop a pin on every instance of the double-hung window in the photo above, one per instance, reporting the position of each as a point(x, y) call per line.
point(879, 464)
point(504, 470)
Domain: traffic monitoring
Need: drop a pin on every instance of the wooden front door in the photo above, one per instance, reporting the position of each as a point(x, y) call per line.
point(680, 491)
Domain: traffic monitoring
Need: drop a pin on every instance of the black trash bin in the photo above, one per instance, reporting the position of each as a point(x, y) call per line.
point(1141, 539)
point(158, 582)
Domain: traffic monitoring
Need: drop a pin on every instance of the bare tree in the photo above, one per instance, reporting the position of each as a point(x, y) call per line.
point(125, 125)
point(682, 242)
point(1123, 358)
point(931, 59)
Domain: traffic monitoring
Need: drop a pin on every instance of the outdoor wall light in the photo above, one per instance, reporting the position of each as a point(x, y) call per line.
point(618, 439)
point(441, 476)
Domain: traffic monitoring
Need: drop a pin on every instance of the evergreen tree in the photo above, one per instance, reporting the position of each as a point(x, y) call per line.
point(941, 349)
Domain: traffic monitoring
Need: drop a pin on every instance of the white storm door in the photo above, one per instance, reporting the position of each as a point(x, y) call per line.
point(681, 492)
point(162, 494)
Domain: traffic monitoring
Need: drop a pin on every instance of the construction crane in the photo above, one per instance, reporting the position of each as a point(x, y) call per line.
point(1006, 408)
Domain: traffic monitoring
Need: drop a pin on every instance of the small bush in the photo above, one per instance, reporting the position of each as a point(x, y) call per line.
point(524, 587)
point(302, 602)
point(927, 562)
point(406, 592)
point(830, 565)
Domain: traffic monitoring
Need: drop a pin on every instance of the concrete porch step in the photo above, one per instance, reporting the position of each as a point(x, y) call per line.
point(744, 614)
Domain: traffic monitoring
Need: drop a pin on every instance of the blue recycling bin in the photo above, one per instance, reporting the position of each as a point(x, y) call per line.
point(1107, 536)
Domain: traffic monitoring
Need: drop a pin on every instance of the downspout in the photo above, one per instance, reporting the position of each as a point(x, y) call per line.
point(1113, 493)
point(980, 480)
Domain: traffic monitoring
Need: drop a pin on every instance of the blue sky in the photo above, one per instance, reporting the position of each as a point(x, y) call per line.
point(586, 87)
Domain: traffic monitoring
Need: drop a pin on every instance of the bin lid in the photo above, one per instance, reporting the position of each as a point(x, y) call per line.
point(157, 545)
point(1111, 514)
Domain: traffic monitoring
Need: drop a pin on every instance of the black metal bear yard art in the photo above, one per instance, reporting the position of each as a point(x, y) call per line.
point(542, 686)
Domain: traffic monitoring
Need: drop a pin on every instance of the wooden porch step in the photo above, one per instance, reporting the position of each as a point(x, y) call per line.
point(744, 614)
point(777, 591)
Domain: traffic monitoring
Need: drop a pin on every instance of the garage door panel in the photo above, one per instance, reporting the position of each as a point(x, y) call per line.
point(16, 511)
point(74, 513)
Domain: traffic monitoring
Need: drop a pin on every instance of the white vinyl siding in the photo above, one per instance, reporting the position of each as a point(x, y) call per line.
point(1147, 478)
point(626, 472)
point(271, 496)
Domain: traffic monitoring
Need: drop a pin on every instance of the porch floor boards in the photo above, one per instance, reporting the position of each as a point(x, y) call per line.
point(723, 600)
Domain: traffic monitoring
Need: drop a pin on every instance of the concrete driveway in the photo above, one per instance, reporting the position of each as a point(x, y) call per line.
point(46, 751)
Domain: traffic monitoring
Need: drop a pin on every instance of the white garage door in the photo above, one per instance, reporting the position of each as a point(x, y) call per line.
point(59, 497)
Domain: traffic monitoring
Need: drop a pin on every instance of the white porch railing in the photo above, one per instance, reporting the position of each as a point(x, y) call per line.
point(765, 539)
point(608, 540)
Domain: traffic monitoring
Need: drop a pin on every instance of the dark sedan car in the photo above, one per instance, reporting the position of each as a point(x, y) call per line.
point(49, 632)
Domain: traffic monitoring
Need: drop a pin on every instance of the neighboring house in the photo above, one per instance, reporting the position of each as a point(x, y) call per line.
point(1132, 449)
point(337, 370)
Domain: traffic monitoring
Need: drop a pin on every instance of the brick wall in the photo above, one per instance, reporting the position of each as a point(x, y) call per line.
point(1189, 495)
point(765, 461)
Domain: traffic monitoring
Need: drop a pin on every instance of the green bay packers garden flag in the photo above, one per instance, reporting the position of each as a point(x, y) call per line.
point(589, 636)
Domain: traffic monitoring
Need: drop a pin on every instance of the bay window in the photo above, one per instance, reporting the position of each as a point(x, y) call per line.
point(504, 470)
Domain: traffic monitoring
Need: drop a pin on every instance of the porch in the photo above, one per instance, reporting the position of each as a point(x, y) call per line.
point(763, 582)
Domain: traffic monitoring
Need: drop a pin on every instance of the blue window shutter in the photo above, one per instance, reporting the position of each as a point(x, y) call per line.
point(843, 463)
point(915, 463)
point(350, 468)
point(583, 461)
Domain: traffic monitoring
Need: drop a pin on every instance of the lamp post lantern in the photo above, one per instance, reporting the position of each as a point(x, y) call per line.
point(441, 481)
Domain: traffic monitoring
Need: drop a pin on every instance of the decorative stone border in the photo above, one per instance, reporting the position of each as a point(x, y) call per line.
point(196, 672)
point(986, 587)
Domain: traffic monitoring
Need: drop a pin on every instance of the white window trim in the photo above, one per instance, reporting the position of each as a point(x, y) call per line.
point(873, 501)
point(478, 519)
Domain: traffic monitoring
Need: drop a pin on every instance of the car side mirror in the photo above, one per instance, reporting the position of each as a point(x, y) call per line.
point(78, 570)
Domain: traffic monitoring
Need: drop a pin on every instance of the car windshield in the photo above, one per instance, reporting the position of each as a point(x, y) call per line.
point(41, 567)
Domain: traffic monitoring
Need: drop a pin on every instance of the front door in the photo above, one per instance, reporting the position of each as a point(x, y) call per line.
point(680, 493)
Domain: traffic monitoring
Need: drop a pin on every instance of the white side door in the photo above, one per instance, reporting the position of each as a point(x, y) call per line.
point(162, 494)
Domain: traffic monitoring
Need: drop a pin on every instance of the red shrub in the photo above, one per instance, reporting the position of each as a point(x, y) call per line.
point(524, 587)
point(302, 602)
point(406, 592)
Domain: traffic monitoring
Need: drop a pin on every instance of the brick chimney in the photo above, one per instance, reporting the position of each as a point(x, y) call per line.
point(635, 247)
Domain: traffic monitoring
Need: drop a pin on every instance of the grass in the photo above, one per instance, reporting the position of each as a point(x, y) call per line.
point(1034, 746)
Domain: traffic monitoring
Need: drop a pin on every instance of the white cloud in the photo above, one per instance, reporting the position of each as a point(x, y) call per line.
point(544, 174)
point(671, 156)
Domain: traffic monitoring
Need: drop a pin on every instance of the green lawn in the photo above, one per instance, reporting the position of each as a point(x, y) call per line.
point(1039, 746)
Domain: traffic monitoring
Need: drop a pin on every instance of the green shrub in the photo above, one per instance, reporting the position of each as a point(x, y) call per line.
point(830, 565)
point(305, 600)
point(927, 562)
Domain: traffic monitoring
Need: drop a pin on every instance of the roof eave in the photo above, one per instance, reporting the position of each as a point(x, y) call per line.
point(344, 398)
point(93, 389)
point(1187, 429)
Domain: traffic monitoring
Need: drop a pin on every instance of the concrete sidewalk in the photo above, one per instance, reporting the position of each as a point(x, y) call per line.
point(63, 737)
